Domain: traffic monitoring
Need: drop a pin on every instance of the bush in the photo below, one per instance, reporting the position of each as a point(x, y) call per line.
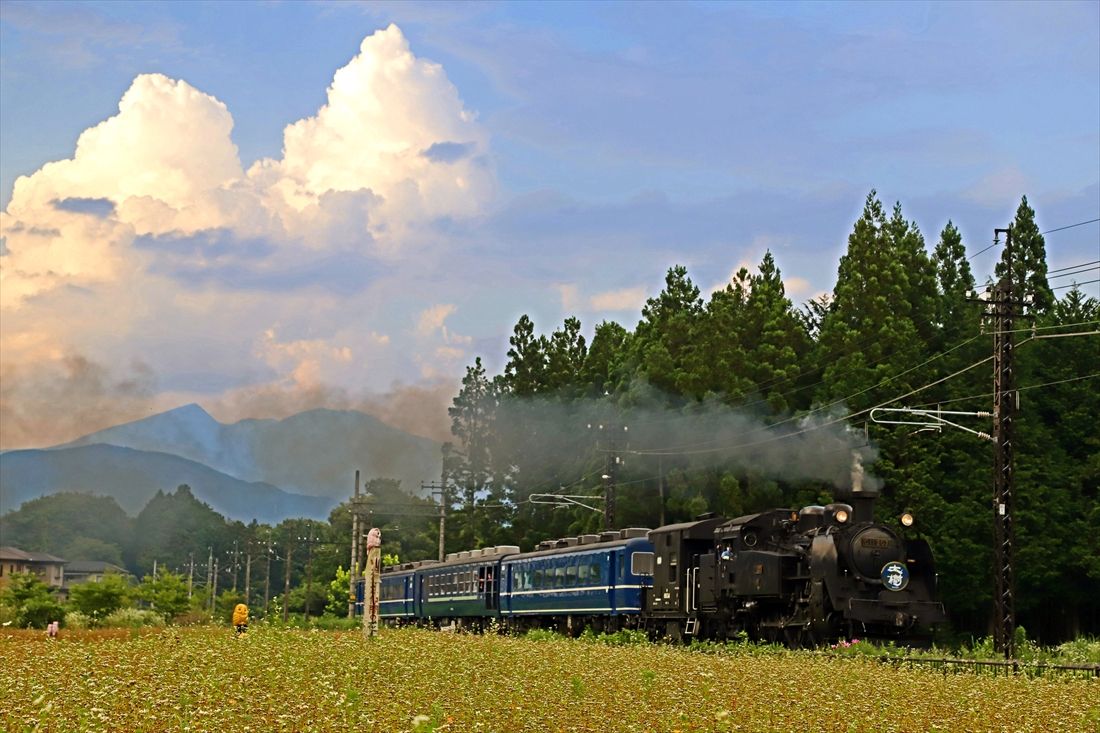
point(37, 612)
point(132, 618)
point(1079, 651)
point(8, 615)
point(77, 620)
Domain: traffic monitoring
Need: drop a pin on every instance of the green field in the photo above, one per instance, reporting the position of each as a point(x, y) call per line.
point(272, 680)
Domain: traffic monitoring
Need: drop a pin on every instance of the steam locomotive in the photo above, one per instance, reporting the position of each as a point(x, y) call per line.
point(803, 577)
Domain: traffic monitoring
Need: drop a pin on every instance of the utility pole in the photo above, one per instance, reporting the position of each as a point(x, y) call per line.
point(267, 581)
point(190, 575)
point(439, 490)
point(661, 486)
point(214, 590)
point(309, 542)
point(286, 585)
point(611, 469)
point(236, 566)
point(210, 572)
point(353, 571)
point(1004, 406)
point(248, 576)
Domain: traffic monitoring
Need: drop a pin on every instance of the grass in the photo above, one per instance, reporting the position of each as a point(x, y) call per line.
point(204, 679)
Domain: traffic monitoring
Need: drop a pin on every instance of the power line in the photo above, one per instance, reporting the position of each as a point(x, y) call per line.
point(1018, 389)
point(1048, 231)
point(823, 407)
point(1073, 267)
point(1076, 284)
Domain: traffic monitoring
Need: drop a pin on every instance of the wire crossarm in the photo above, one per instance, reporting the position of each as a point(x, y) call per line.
point(934, 419)
point(566, 500)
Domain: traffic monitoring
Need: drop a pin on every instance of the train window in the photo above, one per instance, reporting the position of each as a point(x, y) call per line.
point(582, 574)
point(559, 576)
point(538, 578)
point(672, 565)
point(571, 575)
point(621, 557)
point(594, 572)
point(641, 563)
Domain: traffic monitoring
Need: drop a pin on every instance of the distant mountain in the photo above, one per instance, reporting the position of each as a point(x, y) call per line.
point(132, 477)
point(314, 452)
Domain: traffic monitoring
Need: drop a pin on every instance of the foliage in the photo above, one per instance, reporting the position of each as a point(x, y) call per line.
point(166, 593)
point(99, 599)
point(288, 680)
point(31, 600)
point(132, 618)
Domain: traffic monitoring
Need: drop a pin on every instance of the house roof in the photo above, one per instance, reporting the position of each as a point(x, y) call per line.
point(80, 567)
point(14, 553)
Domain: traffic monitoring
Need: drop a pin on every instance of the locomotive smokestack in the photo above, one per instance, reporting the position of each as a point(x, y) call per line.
point(863, 502)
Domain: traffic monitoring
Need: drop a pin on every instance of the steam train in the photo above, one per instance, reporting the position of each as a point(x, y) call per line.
point(803, 578)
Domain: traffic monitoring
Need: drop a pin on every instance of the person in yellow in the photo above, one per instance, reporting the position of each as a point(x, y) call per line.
point(240, 618)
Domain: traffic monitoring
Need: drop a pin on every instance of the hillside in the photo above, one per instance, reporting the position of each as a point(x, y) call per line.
point(132, 477)
point(314, 453)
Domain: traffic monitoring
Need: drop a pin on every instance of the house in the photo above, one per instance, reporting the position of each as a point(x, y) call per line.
point(49, 568)
point(91, 571)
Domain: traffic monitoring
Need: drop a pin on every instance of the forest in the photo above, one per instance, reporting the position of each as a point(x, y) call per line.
point(730, 403)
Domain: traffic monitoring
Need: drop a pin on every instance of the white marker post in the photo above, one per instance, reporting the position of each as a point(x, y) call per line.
point(372, 576)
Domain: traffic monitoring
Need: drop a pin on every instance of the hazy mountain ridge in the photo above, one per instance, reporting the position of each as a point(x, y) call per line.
point(133, 476)
point(314, 452)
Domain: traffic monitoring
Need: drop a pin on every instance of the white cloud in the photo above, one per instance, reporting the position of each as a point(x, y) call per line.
point(385, 109)
point(619, 300)
point(153, 241)
point(432, 319)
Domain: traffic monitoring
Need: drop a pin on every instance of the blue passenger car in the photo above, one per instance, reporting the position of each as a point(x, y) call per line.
point(464, 588)
point(397, 602)
point(588, 576)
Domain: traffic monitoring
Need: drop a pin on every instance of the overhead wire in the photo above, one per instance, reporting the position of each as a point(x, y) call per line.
point(802, 416)
point(986, 395)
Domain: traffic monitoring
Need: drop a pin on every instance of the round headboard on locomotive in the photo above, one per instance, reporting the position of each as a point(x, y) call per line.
point(871, 548)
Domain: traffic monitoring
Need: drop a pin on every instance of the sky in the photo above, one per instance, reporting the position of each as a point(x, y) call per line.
point(265, 207)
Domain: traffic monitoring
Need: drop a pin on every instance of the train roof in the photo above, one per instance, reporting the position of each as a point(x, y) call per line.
point(578, 549)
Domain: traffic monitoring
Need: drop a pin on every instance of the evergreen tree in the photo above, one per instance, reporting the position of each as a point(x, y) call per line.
point(664, 341)
point(777, 339)
point(1029, 254)
point(565, 356)
point(525, 372)
point(724, 351)
point(607, 354)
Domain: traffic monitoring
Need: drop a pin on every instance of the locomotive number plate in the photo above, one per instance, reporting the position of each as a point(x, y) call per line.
point(877, 543)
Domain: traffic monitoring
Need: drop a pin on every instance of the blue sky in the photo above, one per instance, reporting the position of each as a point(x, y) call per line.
point(592, 147)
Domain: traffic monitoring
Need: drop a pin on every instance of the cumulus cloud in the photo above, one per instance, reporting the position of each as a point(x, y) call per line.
point(154, 241)
point(619, 300)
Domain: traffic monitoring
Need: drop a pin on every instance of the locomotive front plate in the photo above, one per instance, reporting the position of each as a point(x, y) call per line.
point(895, 576)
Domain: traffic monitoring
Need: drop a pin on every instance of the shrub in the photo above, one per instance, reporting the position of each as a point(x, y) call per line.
point(77, 620)
point(37, 612)
point(541, 635)
point(133, 618)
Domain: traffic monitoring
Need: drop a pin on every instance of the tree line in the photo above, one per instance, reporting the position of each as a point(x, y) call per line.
point(730, 403)
point(740, 401)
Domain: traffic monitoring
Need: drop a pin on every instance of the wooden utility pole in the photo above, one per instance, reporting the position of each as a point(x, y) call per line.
point(353, 567)
point(439, 490)
point(267, 581)
point(210, 576)
point(214, 590)
point(286, 585)
point(190, 575)
point(236, 566)
point(1004, 407)
point(248, 576)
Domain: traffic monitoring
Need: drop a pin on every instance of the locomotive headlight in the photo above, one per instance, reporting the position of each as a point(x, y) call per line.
point(842, 516)
point(907, 520)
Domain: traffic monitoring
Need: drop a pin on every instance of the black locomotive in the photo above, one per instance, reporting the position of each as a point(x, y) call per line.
point(803, 578)
point(798, 577)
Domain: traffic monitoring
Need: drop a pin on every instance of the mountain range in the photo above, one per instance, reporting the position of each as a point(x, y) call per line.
point(299, 466)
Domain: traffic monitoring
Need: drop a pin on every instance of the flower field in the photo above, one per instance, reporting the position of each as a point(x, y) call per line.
point(411, 680)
